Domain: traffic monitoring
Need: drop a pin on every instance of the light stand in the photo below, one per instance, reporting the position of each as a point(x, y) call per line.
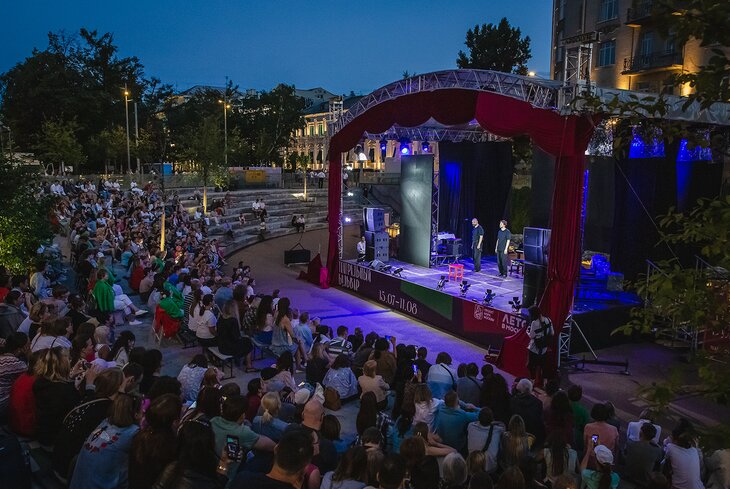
point(464, 288)
point(442, 283)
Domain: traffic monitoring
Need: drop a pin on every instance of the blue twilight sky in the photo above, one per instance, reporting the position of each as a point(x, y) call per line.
point(340, 45)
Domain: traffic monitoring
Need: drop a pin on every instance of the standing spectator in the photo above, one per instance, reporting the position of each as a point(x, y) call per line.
point(602, 477)
point(559, 417)
point(154, 446)
point(580, 415)
point(529, 408)
point(541, 332)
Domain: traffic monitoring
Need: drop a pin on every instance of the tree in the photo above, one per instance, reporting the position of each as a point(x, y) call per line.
point(110, 145)
point(499, 48)
point(204, 147)
point(57, 145)
point(23, 216)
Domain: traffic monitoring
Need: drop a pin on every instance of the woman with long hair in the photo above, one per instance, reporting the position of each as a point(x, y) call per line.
point(370, 416)
point(515, 443)
point(104, 457)
point(154, 446)
point(203, 322)
point(499, 400)
point(559, 458)
point(351, 472)
point(230, 341)
point(282, 337)
point(422, 470)
point(268, 423)
point(426, 405)
point(264, 320)
point(121, 348)
point(318, 363)
point(207, 406)
point(196, 464)
point(434, 447)
point(559, 417)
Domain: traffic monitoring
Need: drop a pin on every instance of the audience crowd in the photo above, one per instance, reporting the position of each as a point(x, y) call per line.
point(74, 381)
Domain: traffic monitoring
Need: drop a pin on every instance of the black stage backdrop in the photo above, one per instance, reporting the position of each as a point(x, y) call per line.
point(474, 181)
point(543, 180)
point(598, 233)
point(645, 189)
point(416, 187)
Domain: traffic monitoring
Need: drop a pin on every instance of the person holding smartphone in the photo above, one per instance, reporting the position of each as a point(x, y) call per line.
point(599, 432)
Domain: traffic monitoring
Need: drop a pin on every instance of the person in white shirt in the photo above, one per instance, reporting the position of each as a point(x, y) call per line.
point(203, 321)
point(634, 427)
point(361, 248)
point(441, 376)
point(686, 462)
point(541, 332)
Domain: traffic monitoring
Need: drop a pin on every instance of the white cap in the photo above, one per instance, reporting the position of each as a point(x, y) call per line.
point(603, 455)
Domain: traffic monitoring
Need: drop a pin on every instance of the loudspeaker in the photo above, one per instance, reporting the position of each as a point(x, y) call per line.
point(293, 257)
point(377, 253)
point(373, 219)
point(453, 247)
point(376, 238)
point(376, 264)
point(536, 245)
point(534, 284)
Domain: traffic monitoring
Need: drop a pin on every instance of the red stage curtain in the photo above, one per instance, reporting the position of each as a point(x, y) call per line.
point(564, 137)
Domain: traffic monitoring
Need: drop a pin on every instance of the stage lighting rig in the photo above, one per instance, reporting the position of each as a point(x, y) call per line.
point(516, 304)
point(397, 272)
point(464, 288)
point(442, 283)
point(425, 147)
point(386, 268)
point(489, 297)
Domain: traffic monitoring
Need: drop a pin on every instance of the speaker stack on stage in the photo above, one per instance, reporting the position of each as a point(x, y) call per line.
point(376, 238)
point(536, 245)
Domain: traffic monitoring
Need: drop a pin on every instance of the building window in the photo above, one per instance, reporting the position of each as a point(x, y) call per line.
point(647, 43)
point(609, 10)
point(319, 129)
point(670, 44)
point(607, 53)
point(311, 130)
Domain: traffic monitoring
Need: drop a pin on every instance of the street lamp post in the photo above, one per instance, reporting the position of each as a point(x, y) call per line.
point(126, 116)
point(226, 106)
point(136, 138)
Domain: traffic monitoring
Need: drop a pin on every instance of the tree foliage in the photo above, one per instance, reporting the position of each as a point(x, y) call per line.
point(496, 47)
point(57, 144)
point(23, 216)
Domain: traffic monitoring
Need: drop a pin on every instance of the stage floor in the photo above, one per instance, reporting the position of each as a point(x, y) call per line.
point(504, 288)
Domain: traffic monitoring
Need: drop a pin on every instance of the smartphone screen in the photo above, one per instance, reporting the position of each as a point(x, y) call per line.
point(232, 447)
point(595, 439)
point(415, 370)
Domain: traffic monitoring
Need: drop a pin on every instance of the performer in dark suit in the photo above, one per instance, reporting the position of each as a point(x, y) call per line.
point(477, 236)
point(501, 248)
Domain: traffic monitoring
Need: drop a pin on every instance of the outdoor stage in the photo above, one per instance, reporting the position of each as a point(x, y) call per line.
point(414, 293)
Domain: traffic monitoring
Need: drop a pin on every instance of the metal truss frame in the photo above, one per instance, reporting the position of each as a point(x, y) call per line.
point(435, 200)
point(539, 93)
point(472, 134)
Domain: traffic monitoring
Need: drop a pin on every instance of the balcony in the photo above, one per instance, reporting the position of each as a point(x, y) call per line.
point(639, 14)
point(652, 62)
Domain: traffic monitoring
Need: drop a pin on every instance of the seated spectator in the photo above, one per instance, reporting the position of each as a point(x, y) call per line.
point(340, 345)
point(441, 376)
point(12, 366)
point(283, 373)
point(292, 456)
point(104, 457)
point(282, 338)
point(434, 447)
point(454, 472)
point(340, 378)
point(11, 315)
point(530, 471)
point(604, 433)
point(402, 429)
point(312, 416)
point(22, 403)
point(151, 364)
point(254, 394)
point(122, 346)
point(230, 341)
point(154, 446)
point(580, 415)
point(485, 435)
point(370, 416)
point(371, 382)
point(207, 406)
point(511, 478)
point(718, 469)
point(559, 417)
point(230, 424)
point(387, 362)
point(268, 423)
point(684, 462)
point(603, 476)
point(515, 443)
point(351, 471)
point(196, 463)
point(498, 399)
point(303, 333)
point(468, 387)
point(362, 354)
point(421, 361)
point(356, 339)
point(643, 456)
point(191, 377)
point(529, 408)
point(317, 365)
point(421, 469)
point(53, 334)
point(452, 422)
point(426, 406)
point(559, 459)
point(634, 427)
point(108, 301)
point(203, 321)
point(331, 430)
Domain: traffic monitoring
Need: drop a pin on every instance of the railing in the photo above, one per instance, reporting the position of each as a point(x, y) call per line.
point(640, 11)
point(651, 61)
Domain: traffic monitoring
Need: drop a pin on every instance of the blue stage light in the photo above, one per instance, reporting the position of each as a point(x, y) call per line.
point(425, 147)
point(383, 145)
point(404, 149)
point(698, 153)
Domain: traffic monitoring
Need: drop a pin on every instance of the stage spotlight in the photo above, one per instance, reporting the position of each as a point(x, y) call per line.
point(383, 145)
point(348, 220)
point(464, 288)
point(405, 147)
point(386, 268)
point(397, 271)
point(442, 283)
point(489, 297)
point(425, 147)
point(516, 304)
point(350, 194)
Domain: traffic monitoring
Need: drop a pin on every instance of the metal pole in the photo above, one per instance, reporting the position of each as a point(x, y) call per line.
point(136, 138)
point(225, 124)
point(126, 116)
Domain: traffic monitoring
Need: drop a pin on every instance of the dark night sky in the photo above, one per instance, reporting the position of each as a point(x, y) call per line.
point(339, 45)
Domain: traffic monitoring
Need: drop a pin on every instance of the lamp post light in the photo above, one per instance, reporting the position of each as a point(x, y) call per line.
point(226, 106)
point(126, 116)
